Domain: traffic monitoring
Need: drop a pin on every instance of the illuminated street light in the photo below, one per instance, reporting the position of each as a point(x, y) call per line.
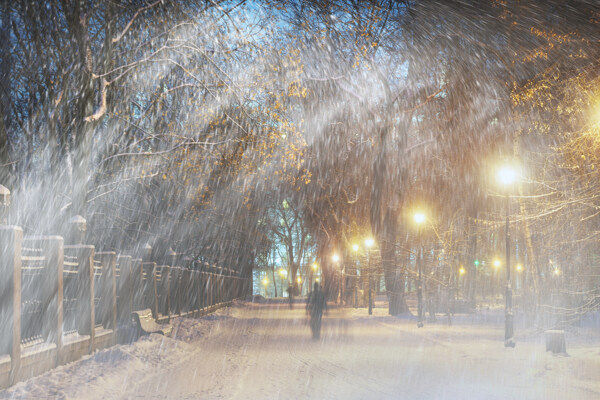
point(462, 270)
point(315, 266)
point(299, 279)
point(369, 243)
point(496, 263)
point(355, 247)
point(265, 281)
point(519, 267)
point(506, 176)
point(336, 259)
point(419, 219)
point(283, 272)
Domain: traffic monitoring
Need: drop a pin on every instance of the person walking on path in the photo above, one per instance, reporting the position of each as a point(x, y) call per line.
point(290, 290)
point(315, 306)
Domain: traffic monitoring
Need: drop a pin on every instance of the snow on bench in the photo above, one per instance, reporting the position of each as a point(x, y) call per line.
point(146, 324)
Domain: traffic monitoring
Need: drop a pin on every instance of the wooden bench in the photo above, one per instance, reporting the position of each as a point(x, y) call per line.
point(146, 324)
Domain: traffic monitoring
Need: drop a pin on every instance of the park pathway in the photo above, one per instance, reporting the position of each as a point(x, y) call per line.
point(264, 351)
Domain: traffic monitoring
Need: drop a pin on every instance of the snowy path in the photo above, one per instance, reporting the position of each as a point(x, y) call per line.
point(264, 352)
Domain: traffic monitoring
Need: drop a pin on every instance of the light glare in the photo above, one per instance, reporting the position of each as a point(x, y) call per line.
point(507, 175)
point(419, 218)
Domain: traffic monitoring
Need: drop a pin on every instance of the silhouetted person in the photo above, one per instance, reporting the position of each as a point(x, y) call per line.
point(315, 306)
point(290, 290)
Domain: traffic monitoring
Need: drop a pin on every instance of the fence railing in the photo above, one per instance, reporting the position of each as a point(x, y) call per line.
point(60, 302)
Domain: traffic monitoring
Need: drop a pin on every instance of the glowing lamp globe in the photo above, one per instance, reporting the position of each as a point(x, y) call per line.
point(507, 175)
point(419, 218)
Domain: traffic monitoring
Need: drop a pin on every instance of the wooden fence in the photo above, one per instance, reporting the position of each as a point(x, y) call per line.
point(60, 302)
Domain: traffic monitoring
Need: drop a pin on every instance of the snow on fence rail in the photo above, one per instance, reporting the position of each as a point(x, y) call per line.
point(60, 302)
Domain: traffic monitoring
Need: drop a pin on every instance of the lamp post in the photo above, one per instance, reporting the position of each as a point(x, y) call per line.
point(507, 176)
point(419, 219)
point(355, 247)
point(369, 243)
point(336, 259)
point(315, 267)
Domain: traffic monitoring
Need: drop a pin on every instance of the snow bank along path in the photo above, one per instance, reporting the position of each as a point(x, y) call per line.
point(261, 351)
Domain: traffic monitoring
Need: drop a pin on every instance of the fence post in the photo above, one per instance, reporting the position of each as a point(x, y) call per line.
point(124, 289)
point(4, 204)
point(85, 292)
point(163, 291)
point(174, 289)
point(11, 239)
point(197, 288)
point(108, 289)
point(53, 248)
point(149, 288)
point(137, 290)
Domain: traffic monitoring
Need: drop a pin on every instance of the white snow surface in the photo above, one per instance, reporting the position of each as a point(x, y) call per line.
point(264, 351)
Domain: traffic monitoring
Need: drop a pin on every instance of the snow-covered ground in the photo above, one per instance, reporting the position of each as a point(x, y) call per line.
point(264, 351)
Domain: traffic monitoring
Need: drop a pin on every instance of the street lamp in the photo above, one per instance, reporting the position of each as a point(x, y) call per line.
point(336, 258)
point(369, 243)
point(506, 176)
point(355, 247)
point(419, 220)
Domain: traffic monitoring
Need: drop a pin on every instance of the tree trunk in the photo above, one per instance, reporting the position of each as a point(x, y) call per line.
point(274, 281)
point(5, 92)
point(394, 280)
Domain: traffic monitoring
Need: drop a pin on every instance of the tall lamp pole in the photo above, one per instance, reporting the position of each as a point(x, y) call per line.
point(368, 244)
point(355, 248)
point(336, 260)
point(419, 219)
point(507, 175)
